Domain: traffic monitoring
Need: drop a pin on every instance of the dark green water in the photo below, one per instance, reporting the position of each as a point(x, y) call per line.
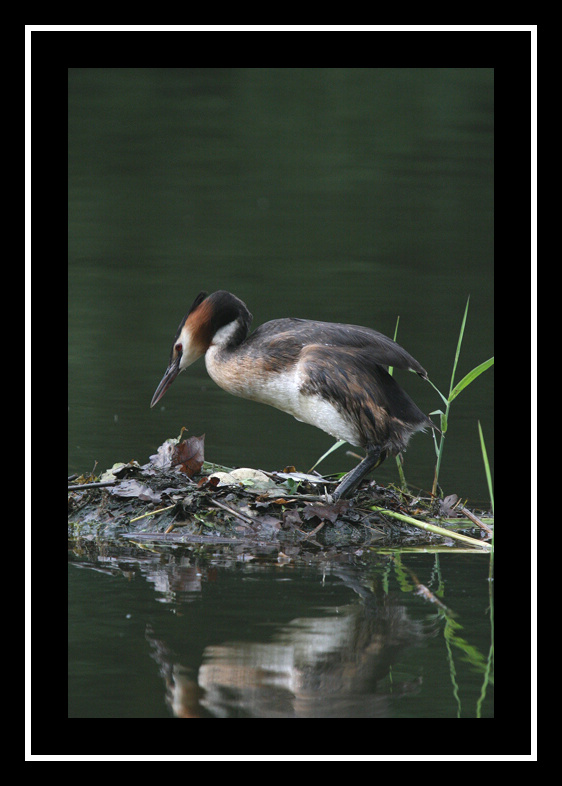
point(181, 636)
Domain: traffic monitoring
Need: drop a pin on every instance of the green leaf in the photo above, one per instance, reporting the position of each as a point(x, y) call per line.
point(486, 465)
point(337, 445)
point(459, 343)
point(446, 401)
point(470, 377)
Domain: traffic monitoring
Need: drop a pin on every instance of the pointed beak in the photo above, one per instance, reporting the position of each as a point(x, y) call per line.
point(171, 373)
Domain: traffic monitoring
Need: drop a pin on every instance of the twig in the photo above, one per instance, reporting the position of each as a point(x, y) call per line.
point(476, 520)
point(298, 497)
point(314, 531)
point(99, 485)
point(246, 520)
point(152, 513)
point(371, 529)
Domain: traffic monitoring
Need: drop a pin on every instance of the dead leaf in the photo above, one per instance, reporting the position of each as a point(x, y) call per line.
point(163, 458)
point(321, 511)
point(447, 505)
point(208, 482)
point(132, 488)
point(189, 456)
point(291, 518)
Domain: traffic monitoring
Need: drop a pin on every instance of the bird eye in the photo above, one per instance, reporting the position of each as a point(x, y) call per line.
point(178, 348)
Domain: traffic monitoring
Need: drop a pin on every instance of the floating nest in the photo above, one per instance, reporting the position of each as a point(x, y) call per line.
point(178, 497)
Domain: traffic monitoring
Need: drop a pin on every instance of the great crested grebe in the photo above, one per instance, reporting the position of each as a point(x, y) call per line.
point(329, 375)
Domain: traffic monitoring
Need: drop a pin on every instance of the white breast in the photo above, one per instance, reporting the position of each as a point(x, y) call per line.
point(322, 414)
point(282, 390)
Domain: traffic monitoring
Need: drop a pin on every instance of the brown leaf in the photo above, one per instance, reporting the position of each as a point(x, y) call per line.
point(189, 455)
point(208, 482)
point(320, 511)
point(291, 518)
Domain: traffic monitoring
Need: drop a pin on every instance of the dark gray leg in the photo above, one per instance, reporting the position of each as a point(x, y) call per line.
point(350, 481)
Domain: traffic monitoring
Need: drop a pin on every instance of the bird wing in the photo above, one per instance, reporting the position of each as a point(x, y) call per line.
point(362, 390)
point(291, 336)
